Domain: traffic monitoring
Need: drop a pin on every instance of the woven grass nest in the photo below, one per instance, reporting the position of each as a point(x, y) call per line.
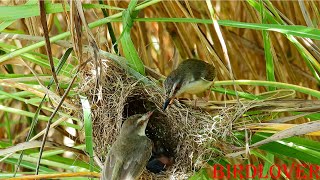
point(186, 132)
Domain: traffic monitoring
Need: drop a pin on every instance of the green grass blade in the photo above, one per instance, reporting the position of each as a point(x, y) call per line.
point(67, 34)
point(51, 153)
point(73, 162)
point(36, 58)
point(5, 24)
point(28, 165)
point(312, 63)
point(110, 30)
point(278, 85)
point(59, 67)
point(267, 53)
point(36, 114)
point(127, 45)
point(295, 149)
point(51, 163)
point(88, 128)
point(295, 30)
point(10, 13)
point(240, 94)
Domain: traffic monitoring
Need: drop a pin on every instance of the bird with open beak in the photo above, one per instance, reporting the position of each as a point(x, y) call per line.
point(130, 153)
point(192, 76)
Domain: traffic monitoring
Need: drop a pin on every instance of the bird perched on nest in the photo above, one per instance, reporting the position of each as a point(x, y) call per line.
point(192, 76)
point(131, 151)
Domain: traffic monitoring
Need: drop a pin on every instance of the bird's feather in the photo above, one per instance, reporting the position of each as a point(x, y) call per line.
point(193, 69)
point(132, 162)
point(135, 165)
point(112, 166)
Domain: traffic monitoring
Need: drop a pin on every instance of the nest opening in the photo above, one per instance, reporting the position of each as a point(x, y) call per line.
point(183, 134)
point(157, 131)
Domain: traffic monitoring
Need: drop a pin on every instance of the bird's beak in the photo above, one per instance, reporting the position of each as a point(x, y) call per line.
point(145, 117)
point(170, 96)
point(166, 103)
point(148, 114)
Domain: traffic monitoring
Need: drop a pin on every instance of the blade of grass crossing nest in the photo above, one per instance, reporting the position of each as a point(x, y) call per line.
point(307, 129)
point(223, 45)
point(35, 118)
point(88, 128)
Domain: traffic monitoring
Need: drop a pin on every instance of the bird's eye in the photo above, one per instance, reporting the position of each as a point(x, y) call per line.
point(177, 88)
point(140, 123)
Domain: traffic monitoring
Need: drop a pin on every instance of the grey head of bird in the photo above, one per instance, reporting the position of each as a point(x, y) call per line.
point(172, 85)
point(136, 124)
point(192, 76)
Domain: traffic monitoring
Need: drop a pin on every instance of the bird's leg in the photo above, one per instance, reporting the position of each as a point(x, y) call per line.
point(195, 99)
point(207, 95)
point(195, 102)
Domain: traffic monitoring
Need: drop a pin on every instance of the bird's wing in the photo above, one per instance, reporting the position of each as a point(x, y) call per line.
point(210, 73)
point(137, 160)
point(111, 166)
point(198, 70)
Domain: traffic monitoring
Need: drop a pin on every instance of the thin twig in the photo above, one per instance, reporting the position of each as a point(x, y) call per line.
point(223, 45)
point(60, 175)
point(48, 44)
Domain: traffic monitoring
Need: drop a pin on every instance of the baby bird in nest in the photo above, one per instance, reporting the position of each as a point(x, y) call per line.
point(130, 153)
point(192, 76)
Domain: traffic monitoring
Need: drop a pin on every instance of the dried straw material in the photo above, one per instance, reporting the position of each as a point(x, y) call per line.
point(186, 133)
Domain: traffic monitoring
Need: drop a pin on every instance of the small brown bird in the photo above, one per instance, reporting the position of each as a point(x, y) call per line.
point(192, 76)
point(131, 151)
